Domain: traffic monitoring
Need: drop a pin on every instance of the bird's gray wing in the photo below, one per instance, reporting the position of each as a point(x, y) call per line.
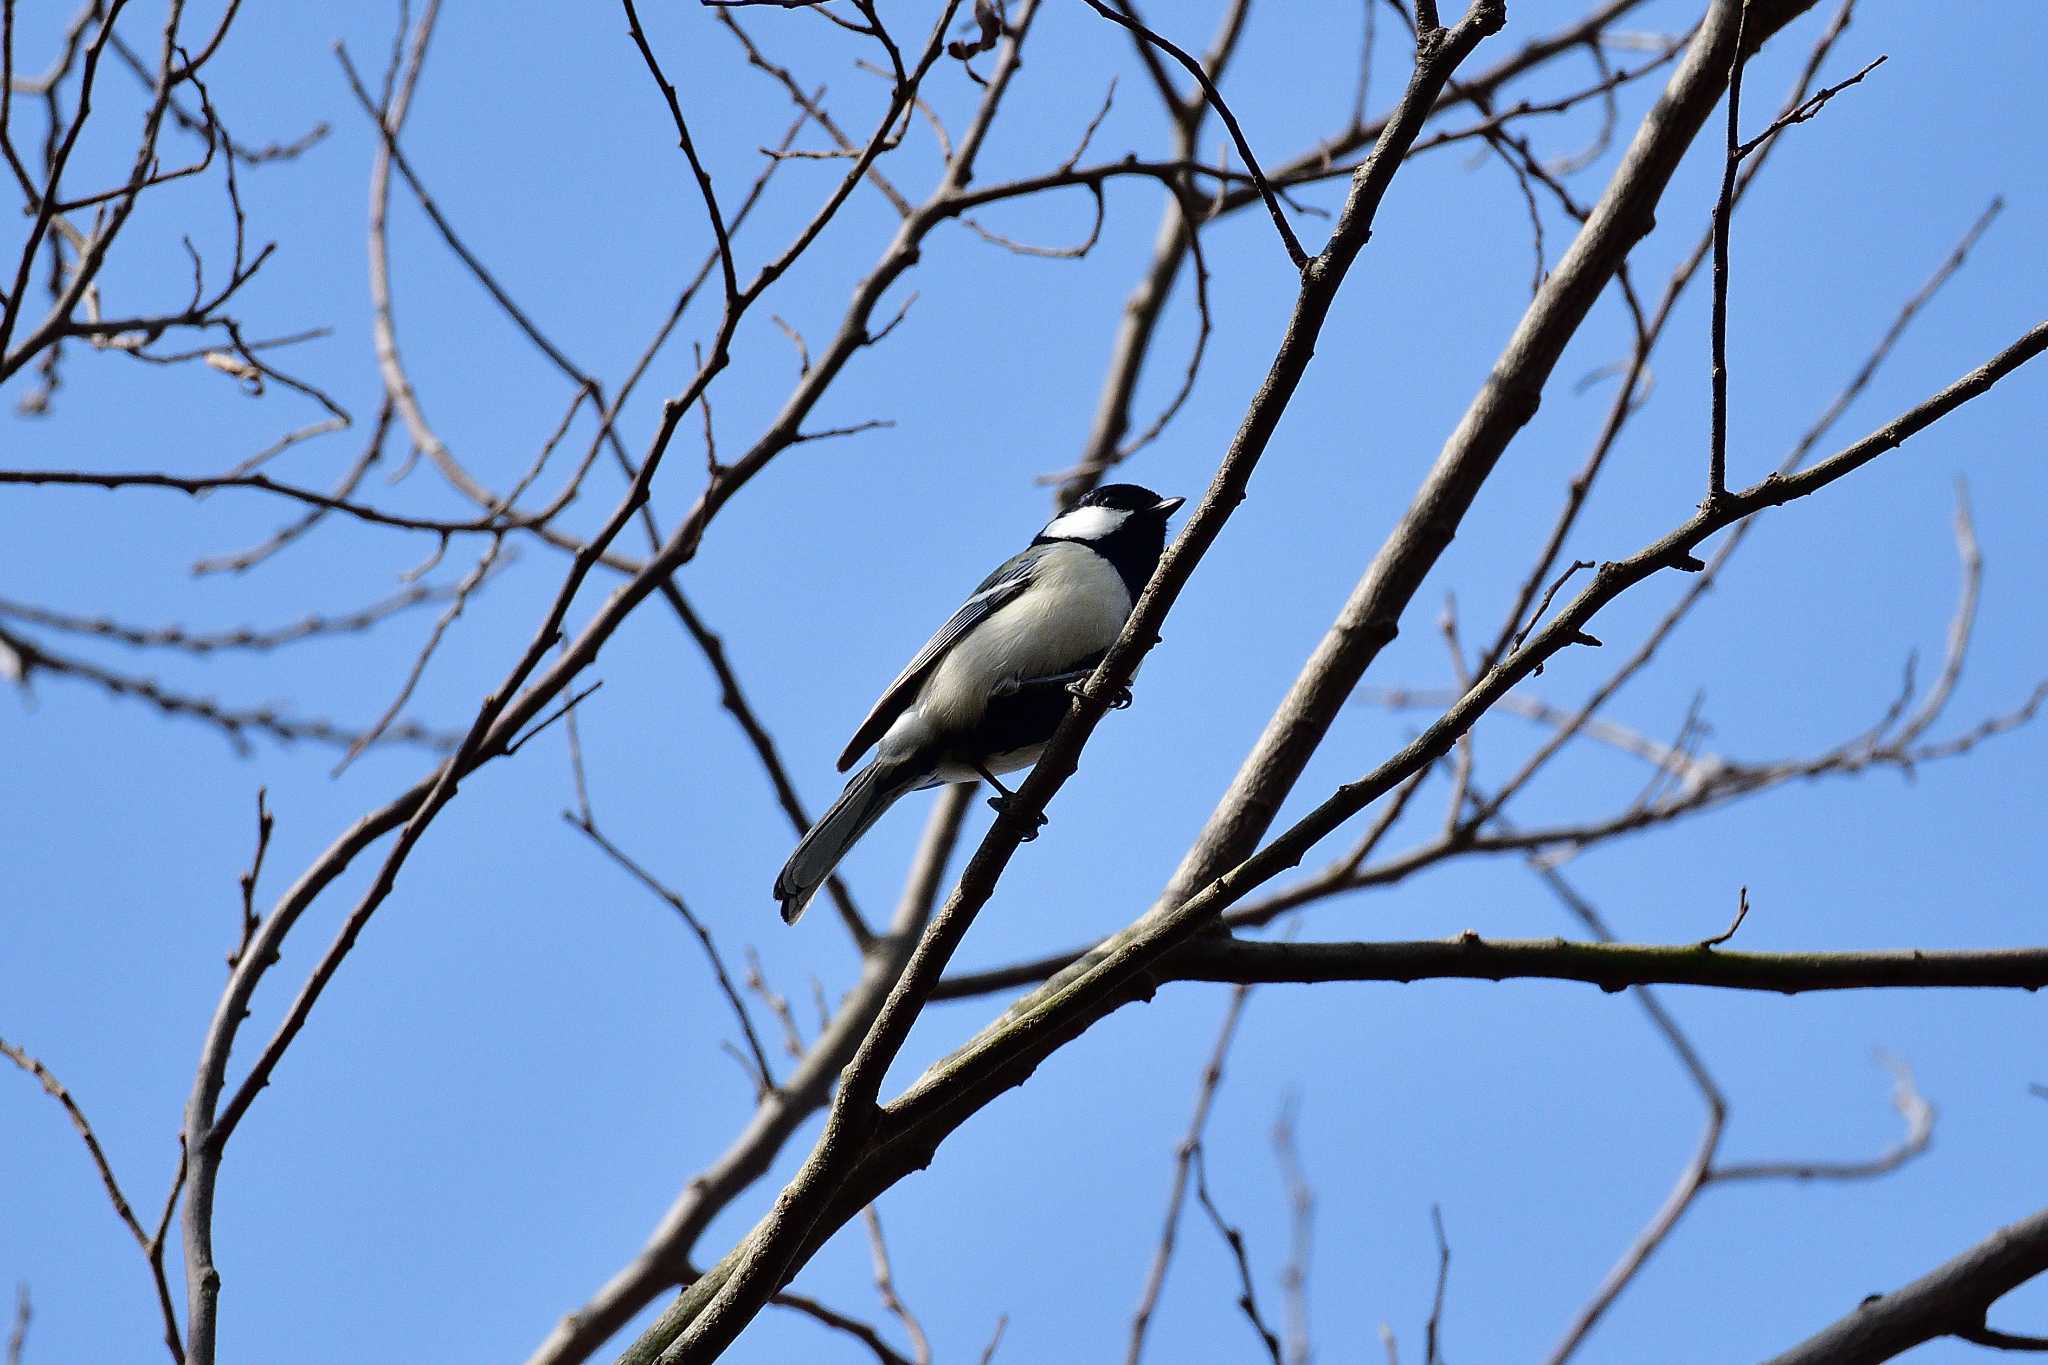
point(994, 592)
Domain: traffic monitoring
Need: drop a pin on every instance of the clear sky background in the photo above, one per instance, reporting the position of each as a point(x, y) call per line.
point(517, 1069)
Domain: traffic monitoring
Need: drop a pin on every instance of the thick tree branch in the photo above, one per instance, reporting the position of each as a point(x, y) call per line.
point(1610, 966)
point(1948, 1301)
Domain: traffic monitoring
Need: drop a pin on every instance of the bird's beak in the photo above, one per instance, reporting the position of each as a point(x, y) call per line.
point(1166, 507)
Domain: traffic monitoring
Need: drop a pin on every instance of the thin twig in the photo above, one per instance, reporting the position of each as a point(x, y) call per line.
point(56, 1090)
point(150, 1245)
point(733, 698)
point(1301, 1208)
point(1741, 914)
point(1183, 1156)
point(860, 1331)
point(764, 1075)
point(247, 881)
point(1544, 605)
point(17, 1335)
point(252, 638)
point(885, 1287)
point(1432, 1331)
point(988, 1352)
point(1247, 1299)
point(1724, 208)
point(1807, 109)
point(1215, 98)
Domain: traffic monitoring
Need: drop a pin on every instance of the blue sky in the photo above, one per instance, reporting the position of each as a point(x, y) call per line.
point(518, 1067)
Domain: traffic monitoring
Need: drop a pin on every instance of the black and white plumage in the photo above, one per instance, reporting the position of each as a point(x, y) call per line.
point(987, 691)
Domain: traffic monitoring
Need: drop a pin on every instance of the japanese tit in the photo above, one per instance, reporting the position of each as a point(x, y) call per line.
point(987, 691)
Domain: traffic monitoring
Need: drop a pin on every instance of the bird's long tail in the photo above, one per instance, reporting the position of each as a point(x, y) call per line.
point(868, 793)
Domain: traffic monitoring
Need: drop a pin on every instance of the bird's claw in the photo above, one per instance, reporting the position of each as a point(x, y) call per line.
point(999, 804)
point(1119, 699)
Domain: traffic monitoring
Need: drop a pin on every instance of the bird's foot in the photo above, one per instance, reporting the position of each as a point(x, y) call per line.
point(999, 804)
point(1118, 700)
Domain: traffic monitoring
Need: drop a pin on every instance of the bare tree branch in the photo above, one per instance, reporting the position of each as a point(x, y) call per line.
point(885, 1287)
point(1215, 98)
point(1949, 1300)
point(1611, 967)
point(1183, 1156)
point(17, 1335)
point(150, 1244)
point(860, 1331)
point(762, 1071)
point(1247, 1298)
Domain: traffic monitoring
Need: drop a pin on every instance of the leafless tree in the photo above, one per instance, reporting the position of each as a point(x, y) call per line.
point(1474, 81)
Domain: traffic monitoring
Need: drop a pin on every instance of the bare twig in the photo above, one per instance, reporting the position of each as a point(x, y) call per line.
point(235, 724)
point(734, 699)
point(486, 564)
point(1741, 914)
point(776, 1004)
point(860, 1331)
point(252, 638)
point(262, 483)
point(988, 1352)
point(1544, 605)
point(1215, 98)
point(1301, 1208)
point(55, 1089)
point(247, 881)
point(1432, 1331)
point(1247, 1298)
point(1806, 109)
point(150, 1244)
point(1183, 1156)
point(1724, 208)
point(885, 1287)
point(764, 1074)
point(1913, 1108)
point(689, 149)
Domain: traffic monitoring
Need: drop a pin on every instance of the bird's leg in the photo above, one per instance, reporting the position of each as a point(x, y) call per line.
point(999, 803)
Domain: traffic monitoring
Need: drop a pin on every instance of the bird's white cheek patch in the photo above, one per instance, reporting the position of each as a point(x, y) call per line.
point(1085, 523)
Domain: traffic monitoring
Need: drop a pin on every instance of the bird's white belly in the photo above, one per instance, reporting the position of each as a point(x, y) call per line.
point(1076, 608)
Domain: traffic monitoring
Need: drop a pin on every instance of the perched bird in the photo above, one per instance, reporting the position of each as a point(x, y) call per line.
point(987, 691)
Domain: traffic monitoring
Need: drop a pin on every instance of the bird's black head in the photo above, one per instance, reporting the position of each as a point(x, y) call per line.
point(1129, 497)
point(1123, 523)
